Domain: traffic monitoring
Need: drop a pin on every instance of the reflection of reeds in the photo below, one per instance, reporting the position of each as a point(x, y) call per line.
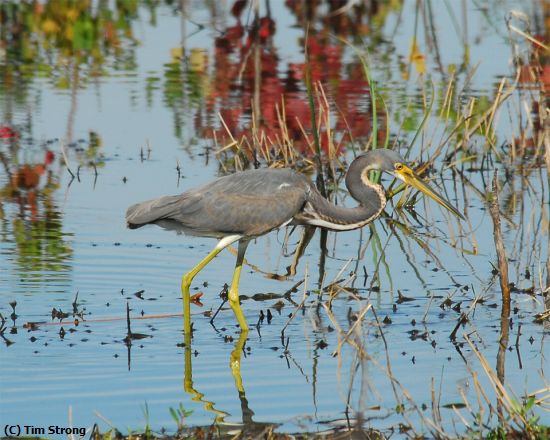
point(515, 417)
point(546, 136)
point(499, 245)
point(505, 291)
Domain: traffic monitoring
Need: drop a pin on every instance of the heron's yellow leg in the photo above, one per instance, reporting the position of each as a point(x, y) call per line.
point(234, 290)
point(197, 396)
point(188, 278)
point(235, 361)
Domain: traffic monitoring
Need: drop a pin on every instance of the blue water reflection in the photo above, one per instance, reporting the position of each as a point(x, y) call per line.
point(137, 117)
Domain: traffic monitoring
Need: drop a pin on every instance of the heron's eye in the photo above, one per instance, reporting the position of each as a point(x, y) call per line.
point(398, 166)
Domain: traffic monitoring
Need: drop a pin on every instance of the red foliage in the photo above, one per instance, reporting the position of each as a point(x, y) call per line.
point(283, 88)
point(7, 133)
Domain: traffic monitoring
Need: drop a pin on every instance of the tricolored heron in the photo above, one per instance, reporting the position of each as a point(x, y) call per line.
point(245, 205)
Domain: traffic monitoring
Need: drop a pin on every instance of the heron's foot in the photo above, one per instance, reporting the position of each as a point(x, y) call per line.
point(236, 307)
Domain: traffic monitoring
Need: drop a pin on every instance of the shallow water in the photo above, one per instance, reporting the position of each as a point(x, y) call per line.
point(63, 239)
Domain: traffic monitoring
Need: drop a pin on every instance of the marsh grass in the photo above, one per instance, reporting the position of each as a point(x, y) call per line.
point(460, 138)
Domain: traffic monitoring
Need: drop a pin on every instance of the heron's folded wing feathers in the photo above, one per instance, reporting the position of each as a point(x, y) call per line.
point(151, 211)
point(250, 203)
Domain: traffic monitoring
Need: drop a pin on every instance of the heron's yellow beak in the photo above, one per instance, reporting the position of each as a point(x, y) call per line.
point(410, 178)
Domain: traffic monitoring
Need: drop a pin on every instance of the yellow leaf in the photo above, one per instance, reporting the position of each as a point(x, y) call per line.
point(49, 26)
point(69, 33)
point(198, 60)
point(72, 14)
point(176, 53)
point(417, 58)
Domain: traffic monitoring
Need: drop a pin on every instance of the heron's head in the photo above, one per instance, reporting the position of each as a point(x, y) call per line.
point(392, 163)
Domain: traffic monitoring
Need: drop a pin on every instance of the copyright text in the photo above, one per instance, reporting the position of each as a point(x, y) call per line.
point(26, 430)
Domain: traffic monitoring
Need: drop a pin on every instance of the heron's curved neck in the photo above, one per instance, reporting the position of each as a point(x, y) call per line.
point(370, 196)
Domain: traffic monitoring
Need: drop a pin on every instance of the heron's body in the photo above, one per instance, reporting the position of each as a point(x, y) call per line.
point(207, 210)
point(248, 204)
point(266, 199)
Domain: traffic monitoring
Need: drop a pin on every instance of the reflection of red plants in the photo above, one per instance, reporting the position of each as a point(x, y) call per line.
point(7, 133)
point(266, 28)
point(282, 97)
point(229, 40)
point(263, 30)
point(527, 74)
point(25, 182)
point(351, 116)
point(238, 7)
point(340, 19)
point(545, 78)
point(325, 60)
point(28, 176)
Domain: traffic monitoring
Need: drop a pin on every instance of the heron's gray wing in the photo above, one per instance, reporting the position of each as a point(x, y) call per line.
point(248, 203)
point(151, 211)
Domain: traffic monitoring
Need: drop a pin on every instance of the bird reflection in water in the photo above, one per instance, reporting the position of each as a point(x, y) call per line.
point(248, 426)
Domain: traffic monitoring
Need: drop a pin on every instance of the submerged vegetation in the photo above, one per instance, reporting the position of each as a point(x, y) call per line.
point(487, 148)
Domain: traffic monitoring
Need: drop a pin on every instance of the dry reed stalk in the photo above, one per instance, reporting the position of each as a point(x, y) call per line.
point(447, 101)
point(65, 158)
point(494, 107)
point(523, 17)
point(346, 336)
point(299, 307)
point(499, 245)
point(437, 431)
point(501, 97)
point(547, 160)
point(324, 117)
point(286, 142)
point(335, 287)
point(343, 336)
point(483, 197)
point(436, 414)
point(545, 396)
point(507, 402)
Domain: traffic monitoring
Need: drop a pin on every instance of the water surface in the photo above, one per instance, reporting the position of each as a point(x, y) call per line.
point(138, 123)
